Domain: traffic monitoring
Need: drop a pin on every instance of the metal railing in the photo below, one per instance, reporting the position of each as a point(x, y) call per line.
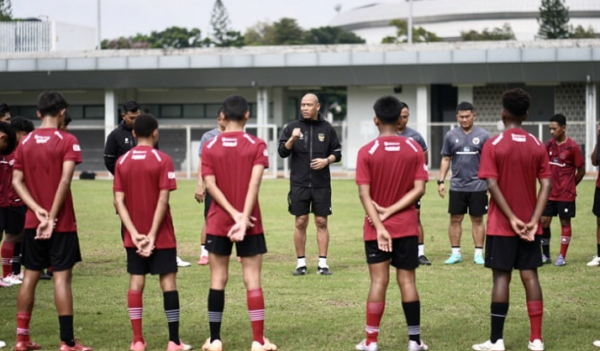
point(25, 36)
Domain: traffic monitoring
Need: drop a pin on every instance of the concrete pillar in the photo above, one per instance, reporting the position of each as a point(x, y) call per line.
point(591, 123)
point(279, 104)
point(110, 112)
point(465, 93)
point(421, 112)
point(262, 112)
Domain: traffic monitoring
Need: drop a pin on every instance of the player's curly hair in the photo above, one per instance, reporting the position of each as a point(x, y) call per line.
point(11, 141)
point(516, 101)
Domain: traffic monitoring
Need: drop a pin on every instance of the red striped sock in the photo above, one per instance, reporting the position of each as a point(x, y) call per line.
point(374, 314)
point(23, 326)
point(565, 239)
point(256, 308)
point(135, 305)
point(7, 252)
point(535, 310)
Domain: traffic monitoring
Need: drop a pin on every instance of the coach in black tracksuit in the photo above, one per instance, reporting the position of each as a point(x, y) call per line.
point(313, 144)
point(121, 139)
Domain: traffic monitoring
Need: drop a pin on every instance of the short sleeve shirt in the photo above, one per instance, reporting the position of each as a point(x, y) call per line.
point(416, 136)
point(516, 159)
point(40, 156)
point(5, 180)
point(141, 174)
point(207, 137)
point(13, 198)
point(564, 161)
point(390, 165)
point(230, 158)
point(465, 152)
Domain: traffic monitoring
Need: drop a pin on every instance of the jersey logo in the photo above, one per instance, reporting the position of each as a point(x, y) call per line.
point(391, 146)
point(39, 139)
point(518, 138)
point(476, 141)
point(138, 155)
point(563, 156)
point(11, 162)
point(229, 142)
point(171, 175)
point(456, 141)
point(126, 141)
point(76, 148)
point(265, 153)
point(321, 137)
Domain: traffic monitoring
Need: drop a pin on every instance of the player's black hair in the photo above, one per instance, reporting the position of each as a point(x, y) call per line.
point(516, 101)
point(7, 129)
point(4, 109)
point(22, 124)
point(388, 109)
point(130, 106)
point(235, 107)
point(145, 125)
point(50, 103)
point(219, 111)
point(67, 119)
point(404, 105)
point(560, 119)
point(465, 106)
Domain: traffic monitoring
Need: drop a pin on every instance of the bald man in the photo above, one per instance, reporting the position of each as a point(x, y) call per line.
point(313, 144)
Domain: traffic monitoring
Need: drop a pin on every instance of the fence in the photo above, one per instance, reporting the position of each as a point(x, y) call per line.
point(25, 36)
point(181, 142)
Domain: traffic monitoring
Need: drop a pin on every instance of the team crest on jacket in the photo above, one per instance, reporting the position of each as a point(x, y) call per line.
point(476, 141)
point(321, 137)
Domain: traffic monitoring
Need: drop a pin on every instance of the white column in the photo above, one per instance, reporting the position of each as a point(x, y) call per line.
point(110, 112)
point(278, 106)
point(262, 112)
point(465, 93)
point(591, 113)
point(421, 112)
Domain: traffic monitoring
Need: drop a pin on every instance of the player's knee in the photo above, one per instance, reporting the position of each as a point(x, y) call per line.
point(301, 222)
point(321, 222)
point(456, 219)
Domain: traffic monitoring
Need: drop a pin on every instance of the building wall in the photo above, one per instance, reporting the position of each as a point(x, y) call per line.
point(71, 37)
point(570, 101)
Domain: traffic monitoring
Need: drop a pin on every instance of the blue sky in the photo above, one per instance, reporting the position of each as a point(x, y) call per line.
point(128, 17)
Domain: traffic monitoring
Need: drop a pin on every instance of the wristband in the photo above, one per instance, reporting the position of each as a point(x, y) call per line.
point(328, 161)
point(440, 182)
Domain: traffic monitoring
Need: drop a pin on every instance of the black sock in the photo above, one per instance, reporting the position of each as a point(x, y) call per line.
point(66, 330)
point(499, 311)
point(412, 312)
point(171, 303)
point(16, 261)
point(598, 250)
point(216, 305)
point(546, 241)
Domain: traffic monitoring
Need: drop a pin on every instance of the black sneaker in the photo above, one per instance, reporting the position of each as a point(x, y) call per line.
point(301, 271)
point(323, 271)
point(423, 261)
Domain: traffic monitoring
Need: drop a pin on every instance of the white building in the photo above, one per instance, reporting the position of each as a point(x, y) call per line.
point(448, 18)
point(45, 36)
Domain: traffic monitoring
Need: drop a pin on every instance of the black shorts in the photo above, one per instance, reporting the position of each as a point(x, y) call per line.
point(476, 202)
point(302, 201)
point(12, 219)
point(404, 253)
point(61, 251)
point(207, 201)
point(252, 245)
point(162, 261)
point(559, 208)
point(596, 207)
point(507, 252)
point(418, 204)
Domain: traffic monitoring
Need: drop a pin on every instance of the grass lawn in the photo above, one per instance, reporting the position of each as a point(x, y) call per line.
point(312, 312)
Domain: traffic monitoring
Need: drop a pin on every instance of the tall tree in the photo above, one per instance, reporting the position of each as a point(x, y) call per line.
point(420, 34)
point(581, 33)
point(5, 10)
point(554, 20)
point(286, 31)
point(222, 35)
point(170, 38)
point(262, 33)
point(499, 33)
point(332, 35)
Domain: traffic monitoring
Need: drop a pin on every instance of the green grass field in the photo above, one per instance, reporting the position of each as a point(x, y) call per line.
point(312, 312)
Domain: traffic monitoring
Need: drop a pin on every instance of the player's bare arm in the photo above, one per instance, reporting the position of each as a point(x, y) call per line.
point(219, 197)
point(384, 240)
point(540, 205)
point(517, 225)
point(200, 193)
point(406, 201)
point(593, 156)
point(64, 185)
point(18, 183)
point(579, 174)
point(159, 215)
point(139, 240)
point(238, 231)
point(444, 167)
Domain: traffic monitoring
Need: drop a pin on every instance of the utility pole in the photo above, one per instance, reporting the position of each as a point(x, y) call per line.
point(99, 29)
point(410, 21)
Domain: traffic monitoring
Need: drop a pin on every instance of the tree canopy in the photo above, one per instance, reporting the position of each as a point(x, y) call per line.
point(419, 35)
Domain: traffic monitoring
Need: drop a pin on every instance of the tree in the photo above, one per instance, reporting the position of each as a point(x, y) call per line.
point(581, 33)
point(332, 35)
point(222, 34)
point(554, 20)
point(284, 32)
point(262, 33)
point(420, 34)
point(170, 38)
point(499, 33)
point(5, 10)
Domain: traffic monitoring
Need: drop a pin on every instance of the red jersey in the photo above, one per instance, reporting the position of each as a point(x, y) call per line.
point(564, 161)
point(516, 159)
point(230, 157)
point(391, 165)
point(5, 181)
point(40, 157)
point(13, 198)
point(141, 174)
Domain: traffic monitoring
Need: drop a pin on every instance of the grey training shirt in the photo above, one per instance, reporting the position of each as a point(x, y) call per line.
point(465, 152)
point(416, 136)
point(207, 137)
